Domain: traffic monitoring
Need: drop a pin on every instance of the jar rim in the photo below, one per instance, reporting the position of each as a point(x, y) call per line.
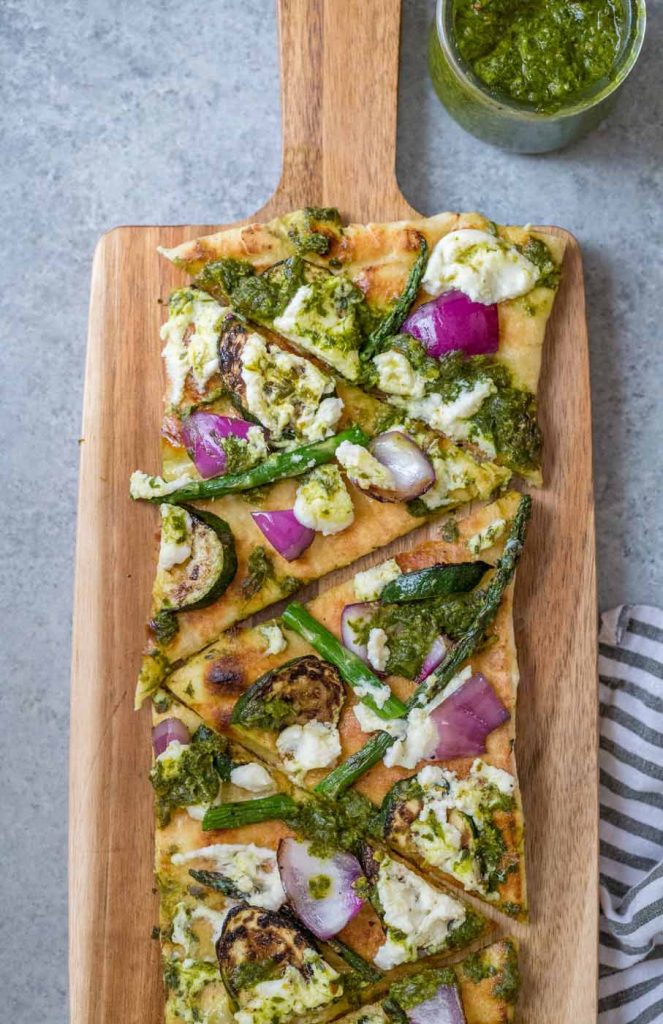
point(591, 97)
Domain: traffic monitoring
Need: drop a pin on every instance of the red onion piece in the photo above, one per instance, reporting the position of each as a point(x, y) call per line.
point(465, 719)
point(444, 1008)
point(202, 431)
point(355, 615)
point(166, 731)
point(411, 468)
point(453, 321)
point(435, 657)
point(284, 532)
point(329, 914)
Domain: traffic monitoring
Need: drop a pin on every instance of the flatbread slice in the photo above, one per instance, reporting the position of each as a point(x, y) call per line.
point(213, 681)
point(487, 984)
point(223, 911)
point(375, 263)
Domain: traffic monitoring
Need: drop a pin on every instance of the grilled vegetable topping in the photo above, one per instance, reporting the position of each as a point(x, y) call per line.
point(277, 466)
point(192, 775)
point(349, 771)
point(208, 565)
point(434, 581)
point(366, 685)
point(299, 691)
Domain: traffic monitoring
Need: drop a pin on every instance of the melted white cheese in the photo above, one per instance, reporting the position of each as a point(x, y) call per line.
point(273, 637)
point(142, 485)
point(369, 585)
point(286, 393)
point(419, 742)
point(252, 869)
point(291, 995)
point(486, 268)
point(176, 536)
point(397, 376)
point(305, 747)
point(437, 838)
point(453, 418)
point(323, 503)
point(198, 354)
point(377, 649)
point(363, 468)
point(417, 918)
point(252, 776)
point(320, 319)
point(485, 538)
point(370, 722)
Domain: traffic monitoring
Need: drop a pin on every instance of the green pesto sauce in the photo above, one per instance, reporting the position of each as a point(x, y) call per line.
point(252, 972)
point(409, 992)
point(164, 626)
point(411, 628)
point(193, 778)
point(539, 52)
point(477, 968)
point(508, 416)
point(340, 824)
point(261, 571)
point(319, 886)
point(313, 229)
point(507, 985)
point(239, 456)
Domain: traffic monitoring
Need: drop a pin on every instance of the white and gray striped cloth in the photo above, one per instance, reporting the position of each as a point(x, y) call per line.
point(631, 794)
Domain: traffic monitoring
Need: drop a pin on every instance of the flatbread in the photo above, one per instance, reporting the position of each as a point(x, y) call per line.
point(487, 982)
point(197, 628)
point(212, 681)
point(379, 257)
point(191, 914)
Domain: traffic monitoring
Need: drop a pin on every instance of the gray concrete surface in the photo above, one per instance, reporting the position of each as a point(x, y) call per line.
point(156, 112)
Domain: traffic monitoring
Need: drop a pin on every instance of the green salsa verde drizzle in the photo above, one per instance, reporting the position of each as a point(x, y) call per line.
point(540, 52)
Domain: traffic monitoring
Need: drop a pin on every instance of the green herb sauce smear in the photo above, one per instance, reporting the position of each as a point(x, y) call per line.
point(540, 52)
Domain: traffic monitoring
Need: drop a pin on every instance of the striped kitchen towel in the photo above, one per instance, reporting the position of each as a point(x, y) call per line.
point(631, 794)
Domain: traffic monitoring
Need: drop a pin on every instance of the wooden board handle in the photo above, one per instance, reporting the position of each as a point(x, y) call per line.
point(339, 85)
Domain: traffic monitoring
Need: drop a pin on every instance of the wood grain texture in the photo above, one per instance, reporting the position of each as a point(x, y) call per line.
point(339, 77)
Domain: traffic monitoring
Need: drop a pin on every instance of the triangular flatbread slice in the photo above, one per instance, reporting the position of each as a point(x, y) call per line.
point(488, 863)
point(225, 925)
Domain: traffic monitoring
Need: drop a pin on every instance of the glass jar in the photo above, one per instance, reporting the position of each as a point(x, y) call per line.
point(516, 126)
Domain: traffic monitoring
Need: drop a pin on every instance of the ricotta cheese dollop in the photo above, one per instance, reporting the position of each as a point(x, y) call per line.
point(287, 393)
point(486, 268)
point(191, 334)
point(417, 918)
point(305, 747)
point(323, 502)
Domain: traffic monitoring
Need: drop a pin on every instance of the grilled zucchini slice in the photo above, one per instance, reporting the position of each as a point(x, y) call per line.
point(202, 577)
point(296, 692)
point(434, 581)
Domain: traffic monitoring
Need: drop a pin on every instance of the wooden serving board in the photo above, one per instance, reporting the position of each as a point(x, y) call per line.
point(339, 66)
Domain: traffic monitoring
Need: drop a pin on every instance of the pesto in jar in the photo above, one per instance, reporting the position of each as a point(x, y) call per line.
point(540, 52)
